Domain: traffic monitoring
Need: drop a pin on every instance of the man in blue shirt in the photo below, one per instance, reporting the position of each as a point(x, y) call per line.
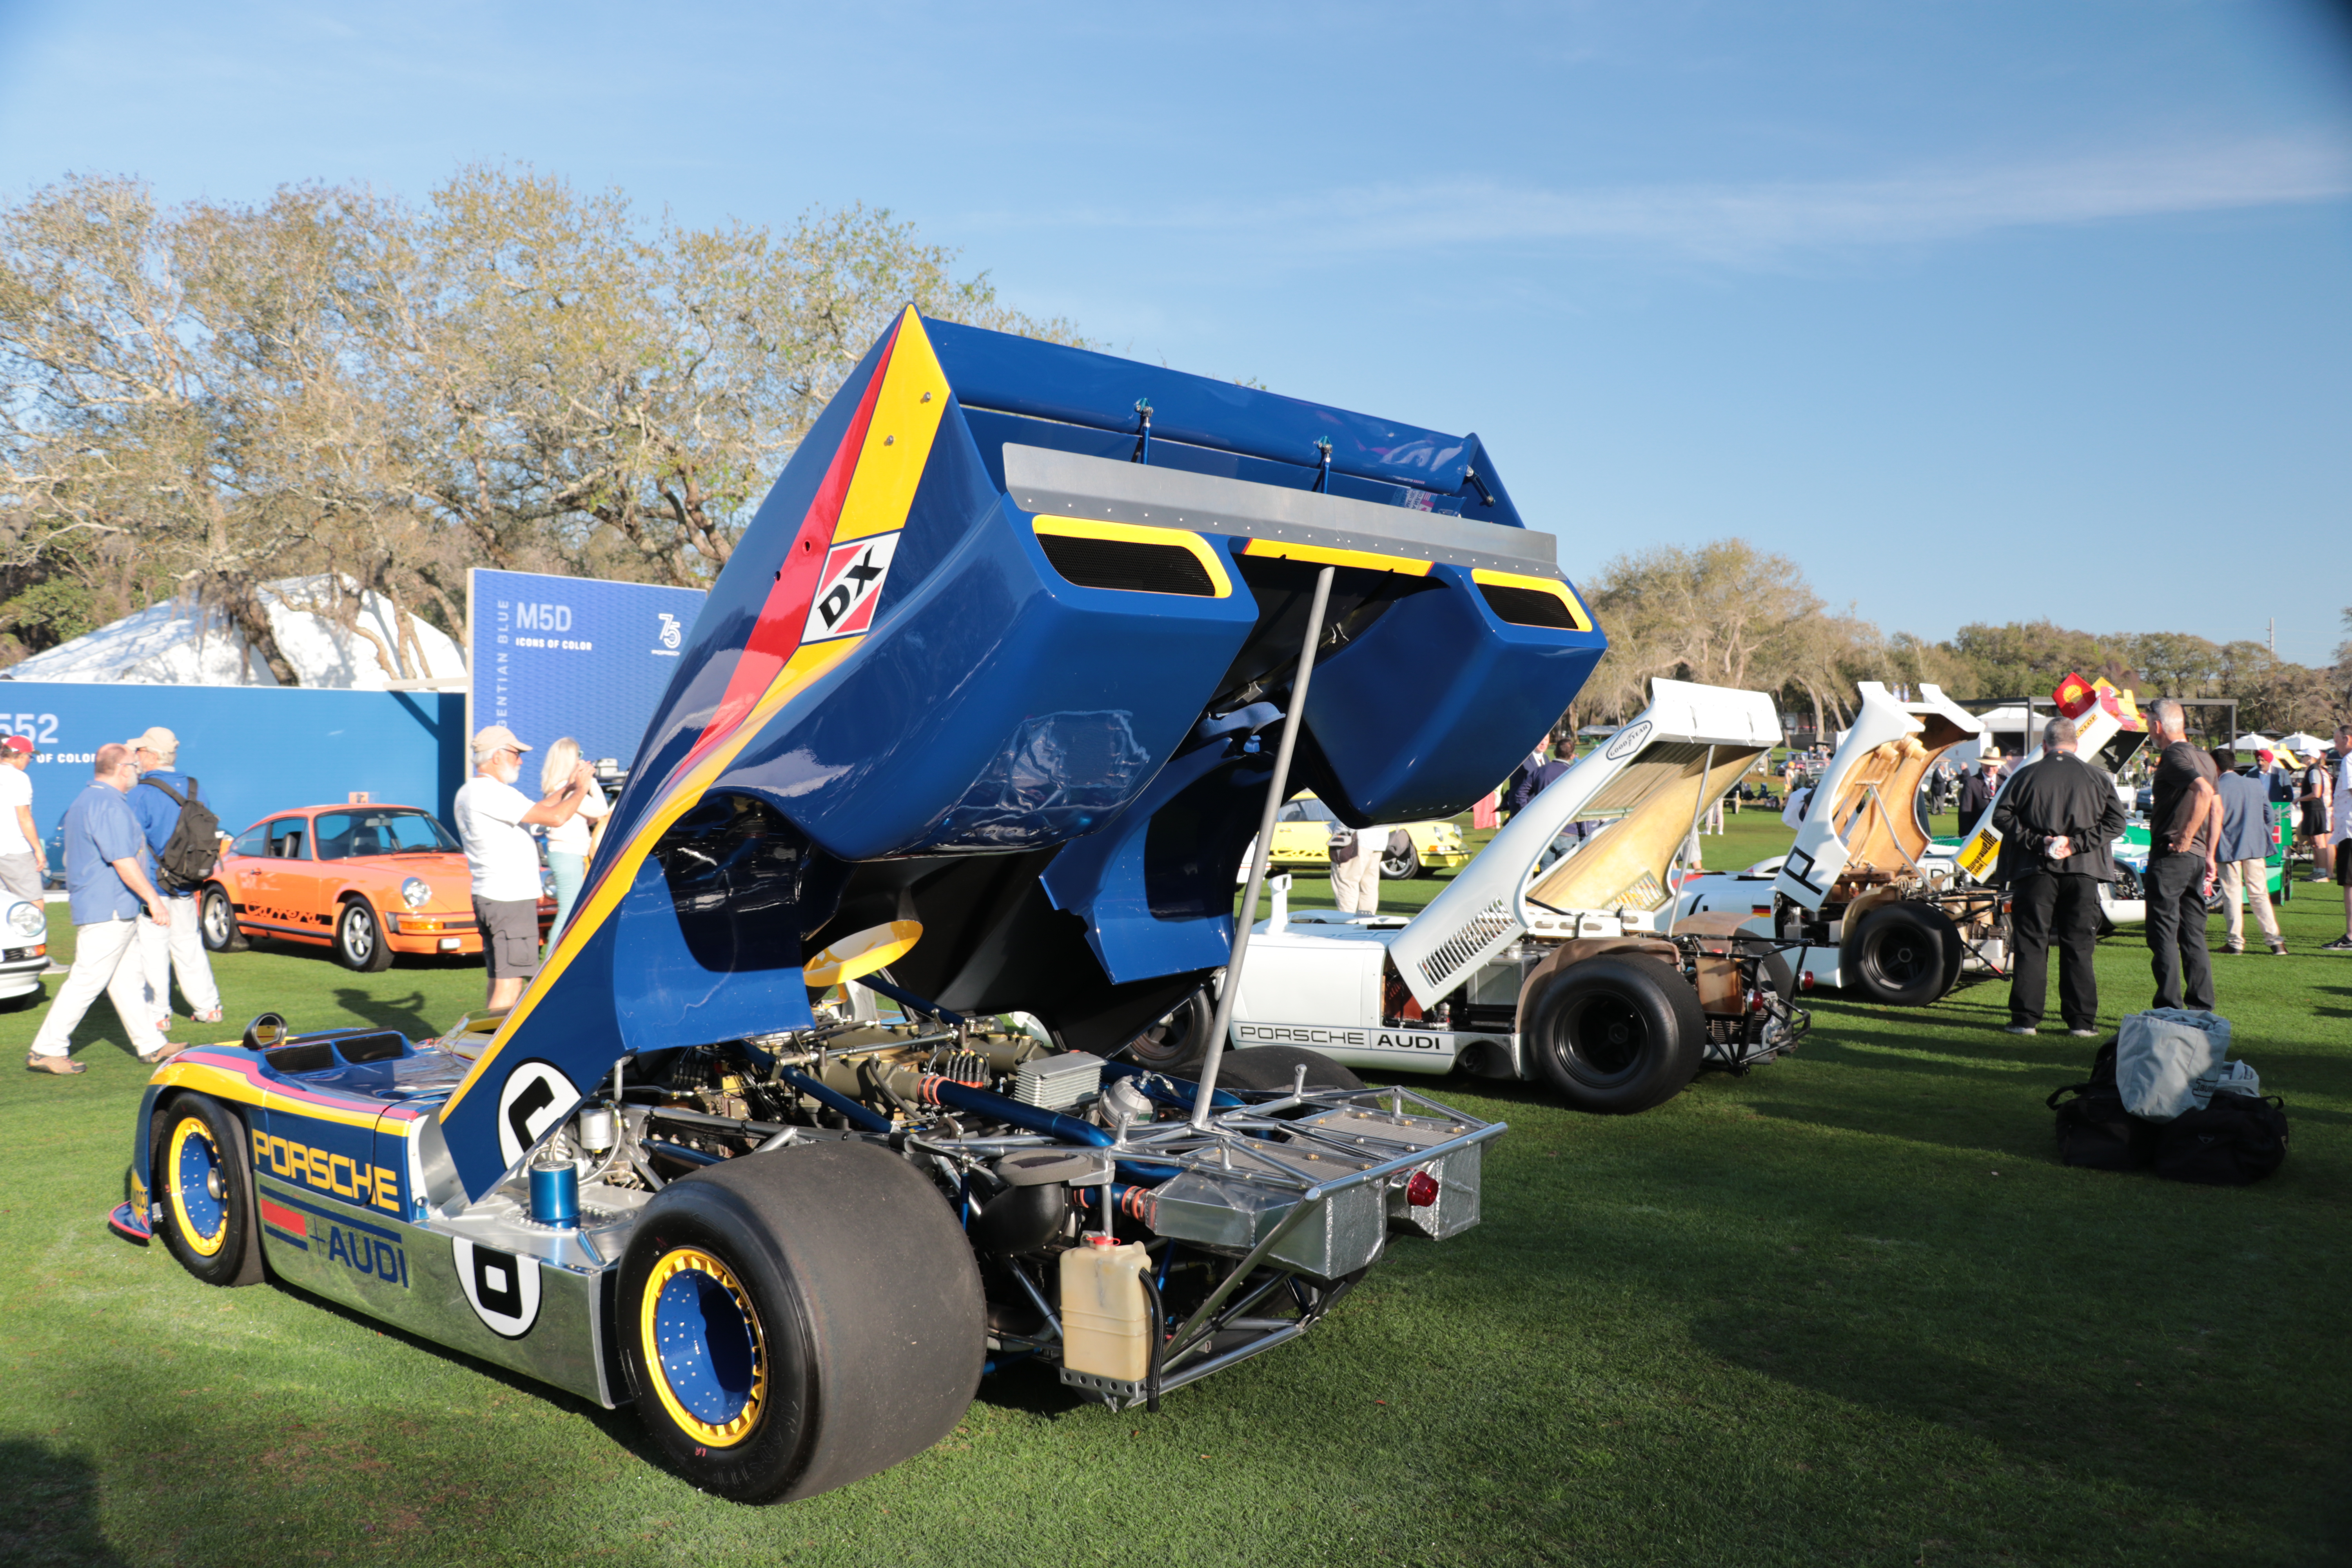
point(108, 886)
point(180, 944)
point(2245, 853)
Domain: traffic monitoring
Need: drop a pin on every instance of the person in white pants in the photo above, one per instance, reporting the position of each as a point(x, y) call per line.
point(108, 886)
point(1355, 870)
point(179, 945)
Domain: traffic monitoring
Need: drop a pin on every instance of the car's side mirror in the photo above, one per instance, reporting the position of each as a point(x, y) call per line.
point(267, 1029)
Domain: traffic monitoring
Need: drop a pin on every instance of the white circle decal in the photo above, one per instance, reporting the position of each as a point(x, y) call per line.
point(502, 1288)
point(535, 1098)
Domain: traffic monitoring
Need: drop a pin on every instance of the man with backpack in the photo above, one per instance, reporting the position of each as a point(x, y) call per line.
point(183, 831)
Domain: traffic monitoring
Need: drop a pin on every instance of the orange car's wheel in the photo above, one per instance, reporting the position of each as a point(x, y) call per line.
point(217, 918)
point(358, 938)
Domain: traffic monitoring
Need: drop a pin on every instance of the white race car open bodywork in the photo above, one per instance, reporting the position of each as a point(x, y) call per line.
point(1863, 816)
point(1445, 987)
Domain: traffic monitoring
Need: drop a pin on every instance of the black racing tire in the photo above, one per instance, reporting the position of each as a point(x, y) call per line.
point(1276, 1067)
point(1901, 955)
point(1617, 1034)
point(203, 1184)
point(216, 919)
point(794, 1321)
point(358, 938)
point(1398, 867)
point(1179, 1040)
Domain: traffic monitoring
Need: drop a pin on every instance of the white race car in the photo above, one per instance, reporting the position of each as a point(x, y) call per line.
point(27, 952)
point(1575, 970)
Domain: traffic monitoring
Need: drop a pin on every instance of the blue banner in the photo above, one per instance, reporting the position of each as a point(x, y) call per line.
point(573, 656)
point(253, 750)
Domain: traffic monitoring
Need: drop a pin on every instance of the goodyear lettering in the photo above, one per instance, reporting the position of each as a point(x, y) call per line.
point(369, 1254)
point(372, 1185)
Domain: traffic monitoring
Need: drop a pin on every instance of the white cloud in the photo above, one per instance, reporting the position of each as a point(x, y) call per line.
point(1743, 222)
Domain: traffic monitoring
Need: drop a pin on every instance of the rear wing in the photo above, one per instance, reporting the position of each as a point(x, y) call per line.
point(984, 703)
point(1651, 781)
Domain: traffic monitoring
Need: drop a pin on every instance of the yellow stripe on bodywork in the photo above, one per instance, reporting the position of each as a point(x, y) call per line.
point(1325, 555)
point(800, 670)
point(1191, 543)
point(897, 439)
point(1551, 585)
point(235, 1088)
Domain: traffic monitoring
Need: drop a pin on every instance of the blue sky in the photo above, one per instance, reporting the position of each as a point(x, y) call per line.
point(1982, 311)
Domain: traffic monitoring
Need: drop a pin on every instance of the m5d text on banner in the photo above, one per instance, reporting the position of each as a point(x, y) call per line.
point(573, 656)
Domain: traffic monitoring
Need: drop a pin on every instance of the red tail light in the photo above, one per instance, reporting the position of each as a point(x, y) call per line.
point(1805, 981)
point(1756, 1003)
point(1421, 1190)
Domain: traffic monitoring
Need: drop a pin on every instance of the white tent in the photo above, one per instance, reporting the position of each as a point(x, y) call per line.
point(178, 644)
point(2250, 741)
point(2302, 741)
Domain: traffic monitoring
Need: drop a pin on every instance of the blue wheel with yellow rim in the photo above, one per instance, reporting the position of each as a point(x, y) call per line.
point(796, 1321)
point(706, 1355)
point(204, 1191)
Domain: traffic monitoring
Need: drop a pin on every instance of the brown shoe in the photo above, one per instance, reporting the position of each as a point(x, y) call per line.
point(64, 1067)
point(163, 1052)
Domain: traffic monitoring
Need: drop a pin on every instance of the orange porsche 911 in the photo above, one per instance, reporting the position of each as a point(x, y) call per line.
point(368, 882)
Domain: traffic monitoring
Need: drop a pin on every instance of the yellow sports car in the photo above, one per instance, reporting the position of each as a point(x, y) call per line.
point(1302, 837)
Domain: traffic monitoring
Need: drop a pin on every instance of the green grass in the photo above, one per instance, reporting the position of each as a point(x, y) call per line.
point(1846, 1310)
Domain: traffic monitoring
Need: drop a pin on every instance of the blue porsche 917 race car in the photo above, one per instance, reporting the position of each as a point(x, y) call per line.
point(979, 718)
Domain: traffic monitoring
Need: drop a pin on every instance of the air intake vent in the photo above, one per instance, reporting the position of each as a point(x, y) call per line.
point(1128, 565)
point(1457, 953)
point(1528, 606)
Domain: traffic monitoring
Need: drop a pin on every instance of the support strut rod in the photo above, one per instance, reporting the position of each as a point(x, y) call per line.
point(1276, 790)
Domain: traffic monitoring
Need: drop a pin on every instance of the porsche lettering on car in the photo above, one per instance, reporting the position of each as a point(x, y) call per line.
point(368, 882)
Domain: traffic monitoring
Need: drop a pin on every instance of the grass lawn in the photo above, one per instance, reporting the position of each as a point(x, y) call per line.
point(1846, 1310)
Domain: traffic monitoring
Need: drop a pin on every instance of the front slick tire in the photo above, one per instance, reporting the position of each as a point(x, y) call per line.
point(196, 1149)
point(794, 1321)
point(1618, 1033)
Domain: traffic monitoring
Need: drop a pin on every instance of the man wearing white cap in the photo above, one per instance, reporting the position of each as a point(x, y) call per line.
point(23, 863)
point(494, 820)
point(156, 803)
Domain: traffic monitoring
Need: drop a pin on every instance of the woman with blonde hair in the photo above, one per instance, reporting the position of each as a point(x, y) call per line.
point(569, 843)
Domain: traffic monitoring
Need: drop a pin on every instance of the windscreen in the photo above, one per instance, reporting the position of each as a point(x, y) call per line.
point(352, 834)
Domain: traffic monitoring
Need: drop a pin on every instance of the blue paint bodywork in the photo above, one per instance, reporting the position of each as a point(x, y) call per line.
point(1056, 780)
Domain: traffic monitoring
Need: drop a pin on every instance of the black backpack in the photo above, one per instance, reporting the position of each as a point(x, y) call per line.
point(2094, 1128)
point(189, 854)
point(2236, 1139)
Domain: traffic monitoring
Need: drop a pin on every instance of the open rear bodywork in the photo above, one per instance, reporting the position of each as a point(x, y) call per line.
point(980, 714)
point(1457, 983)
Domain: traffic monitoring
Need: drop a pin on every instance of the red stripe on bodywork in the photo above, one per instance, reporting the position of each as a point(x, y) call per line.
point(777, 632)
point(284, 1219)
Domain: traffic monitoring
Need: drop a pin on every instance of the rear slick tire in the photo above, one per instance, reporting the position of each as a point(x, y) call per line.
point(794, 1321)
point(1617, 1034)
point(1901, 955)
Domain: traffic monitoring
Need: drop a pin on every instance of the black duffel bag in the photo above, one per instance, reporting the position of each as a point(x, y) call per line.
point(2236, 1139)
point(2094, 1131)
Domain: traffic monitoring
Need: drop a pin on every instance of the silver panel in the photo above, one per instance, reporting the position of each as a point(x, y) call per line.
point(1383, 1135)
point(407, 1275)
point(1068, 485)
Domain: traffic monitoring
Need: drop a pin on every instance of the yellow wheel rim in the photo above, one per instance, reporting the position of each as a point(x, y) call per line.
point(706, 1355)
point(192, 1166)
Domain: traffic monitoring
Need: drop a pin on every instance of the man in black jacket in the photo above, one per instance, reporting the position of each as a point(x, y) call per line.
point(2056, 822)
point(1977, 792)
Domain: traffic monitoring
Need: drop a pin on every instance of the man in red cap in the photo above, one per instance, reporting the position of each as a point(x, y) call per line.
point(23, 863)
